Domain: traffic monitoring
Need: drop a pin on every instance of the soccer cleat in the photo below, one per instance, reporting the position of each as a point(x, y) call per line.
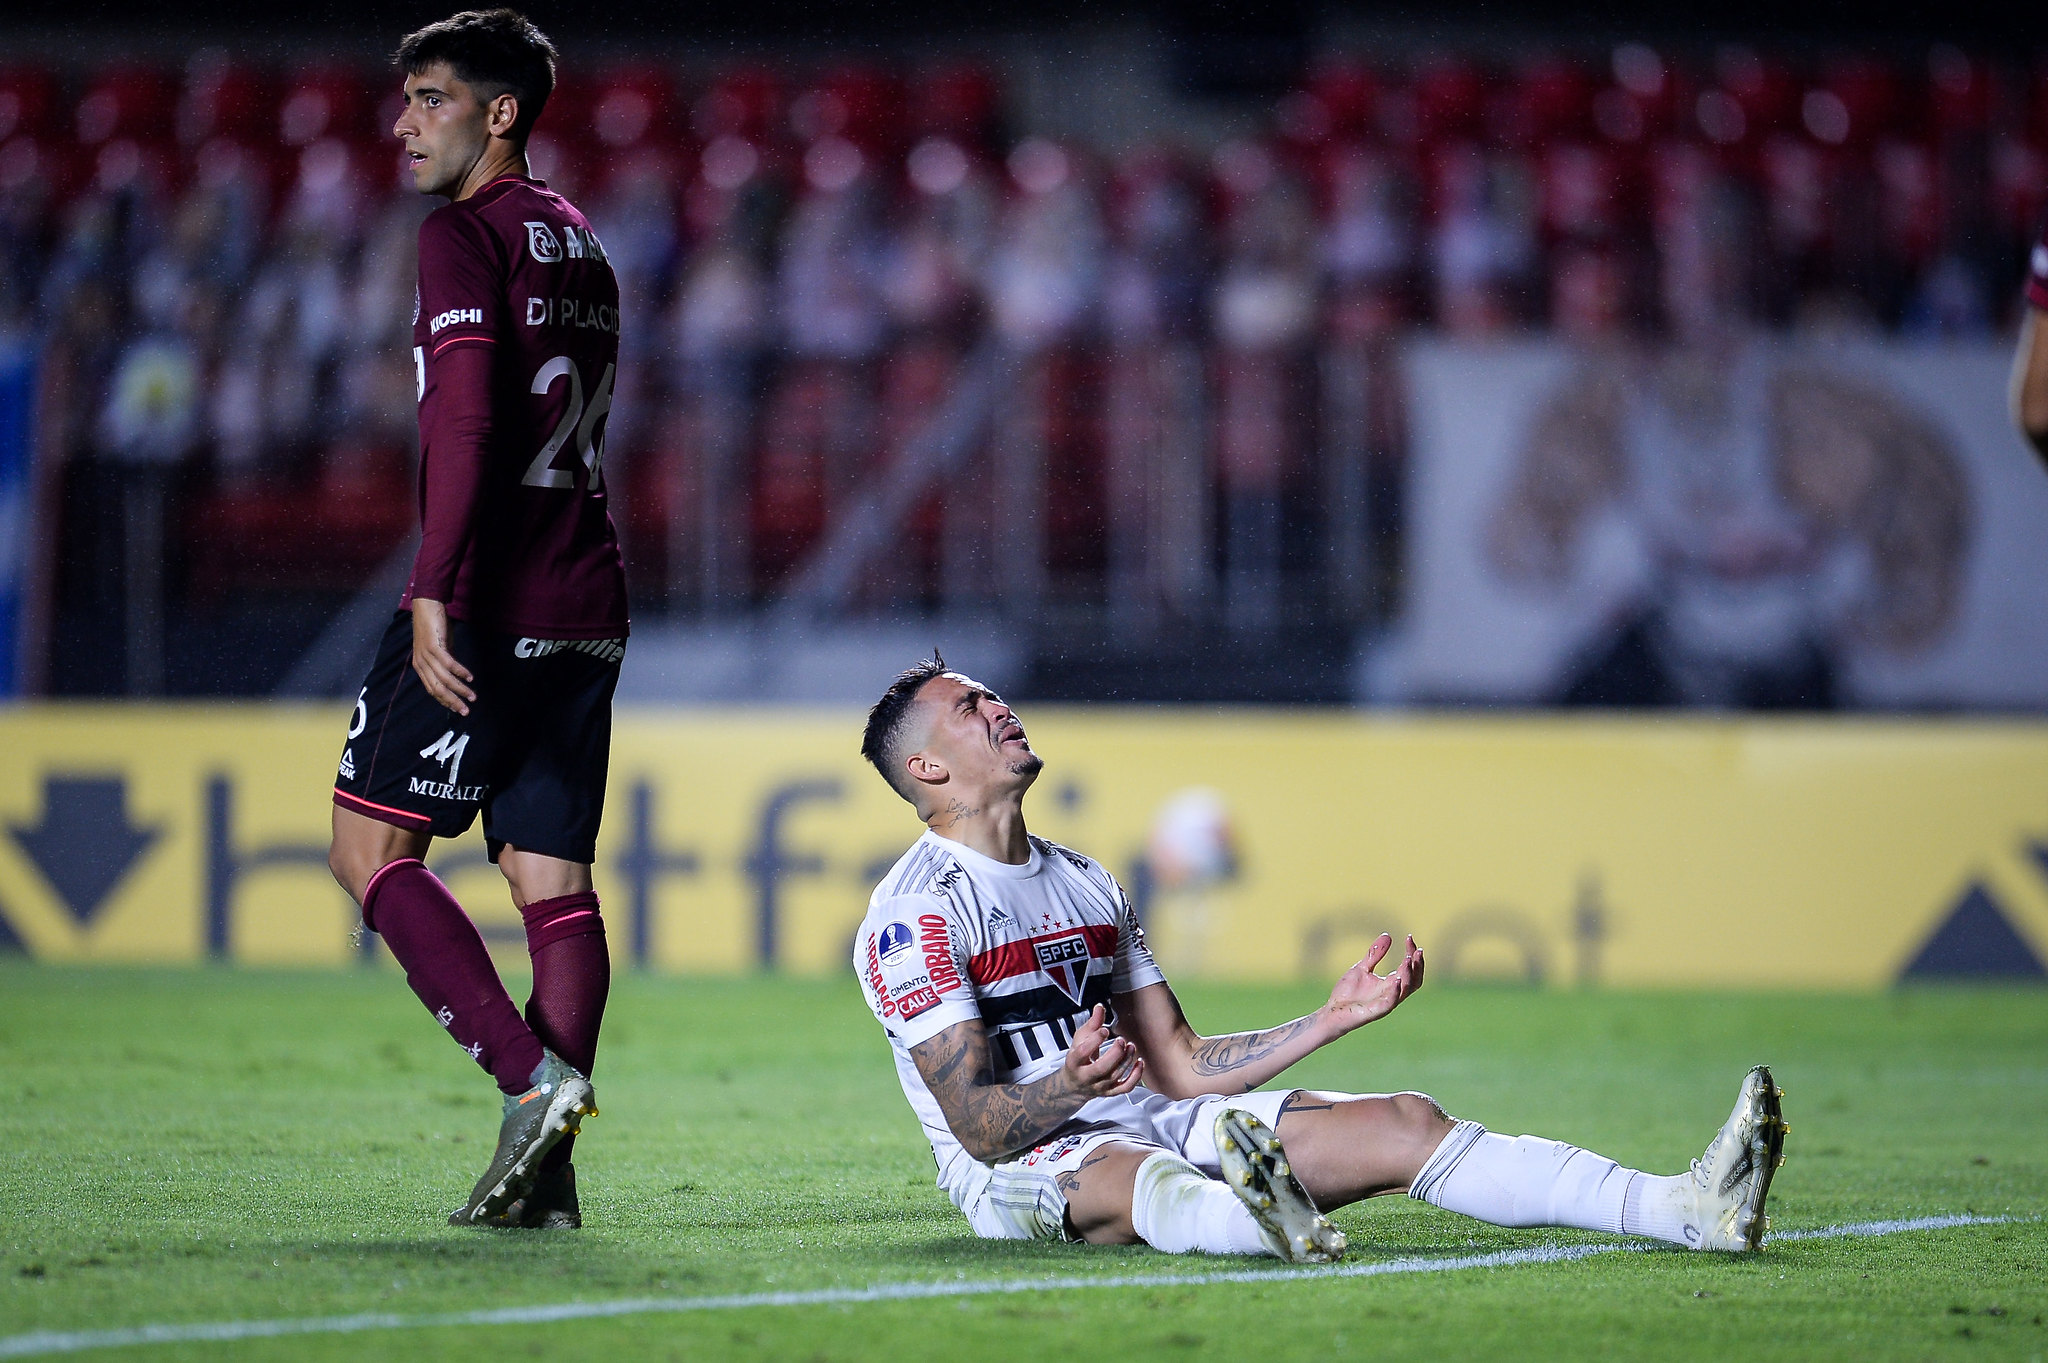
point(1255, 1167)
point(549, 1205)
point(1730, 1182)
point(534, 1121)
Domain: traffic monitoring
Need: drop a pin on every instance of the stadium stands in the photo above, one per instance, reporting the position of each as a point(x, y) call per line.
point(812, 255)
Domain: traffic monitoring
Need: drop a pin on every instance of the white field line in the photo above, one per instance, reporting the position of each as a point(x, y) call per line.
point(44, 1342)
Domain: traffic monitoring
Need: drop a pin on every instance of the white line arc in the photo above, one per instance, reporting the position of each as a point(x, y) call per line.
point(44, 1342)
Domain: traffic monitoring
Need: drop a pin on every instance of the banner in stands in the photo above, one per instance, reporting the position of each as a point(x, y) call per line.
point(1764, 523)
point(1270, 846)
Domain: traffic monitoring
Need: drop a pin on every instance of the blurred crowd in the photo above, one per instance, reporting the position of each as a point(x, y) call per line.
point(1195, 409)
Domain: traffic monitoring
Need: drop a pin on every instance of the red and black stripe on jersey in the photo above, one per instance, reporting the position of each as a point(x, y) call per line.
point(1036, 1022)
point(1039, 1022)
point(1027, 1012)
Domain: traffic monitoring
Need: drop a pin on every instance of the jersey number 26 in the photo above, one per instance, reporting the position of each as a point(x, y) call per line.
point(579, 421)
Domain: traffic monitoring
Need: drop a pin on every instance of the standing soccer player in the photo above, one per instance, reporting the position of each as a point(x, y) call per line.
point(492, 689)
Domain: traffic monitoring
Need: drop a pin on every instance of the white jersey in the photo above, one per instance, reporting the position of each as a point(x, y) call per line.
point(952, 935)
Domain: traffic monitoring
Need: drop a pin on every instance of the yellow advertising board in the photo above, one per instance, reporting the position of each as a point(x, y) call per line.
point(1833, 853)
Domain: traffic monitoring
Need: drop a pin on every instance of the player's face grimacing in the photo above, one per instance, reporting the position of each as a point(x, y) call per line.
point(446, 128)
point(974, 734)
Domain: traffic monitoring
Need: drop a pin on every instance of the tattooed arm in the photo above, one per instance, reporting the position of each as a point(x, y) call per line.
point(991, 1120)
point(1185, 1064)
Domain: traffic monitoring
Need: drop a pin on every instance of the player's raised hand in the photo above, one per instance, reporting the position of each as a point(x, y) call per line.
point(1363, 995)
point(440, 672)
point(1101, 1065)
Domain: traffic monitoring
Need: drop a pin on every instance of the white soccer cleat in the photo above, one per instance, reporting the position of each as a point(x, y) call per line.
point(1730, 1182)
point(1256, 1169)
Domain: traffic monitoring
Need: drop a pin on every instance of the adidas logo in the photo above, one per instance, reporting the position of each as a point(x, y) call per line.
point(997, 918)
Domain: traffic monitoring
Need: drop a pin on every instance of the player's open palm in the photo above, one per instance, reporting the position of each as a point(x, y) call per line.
point(1100, 1065)
point(1363, 995)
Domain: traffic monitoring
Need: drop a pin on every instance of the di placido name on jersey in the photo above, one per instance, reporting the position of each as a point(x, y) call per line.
point(572, 312)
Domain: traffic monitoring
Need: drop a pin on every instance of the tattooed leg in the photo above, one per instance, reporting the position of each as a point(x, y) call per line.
point(1345, 1147)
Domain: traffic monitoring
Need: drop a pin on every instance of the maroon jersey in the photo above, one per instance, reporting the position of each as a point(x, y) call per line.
point(515, 348)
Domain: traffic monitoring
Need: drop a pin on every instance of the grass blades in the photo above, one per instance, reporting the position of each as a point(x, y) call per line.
point(213, 1146)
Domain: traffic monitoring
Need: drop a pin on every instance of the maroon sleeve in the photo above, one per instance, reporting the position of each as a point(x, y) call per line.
point(455, 434)
point(461, 300)
point(2037, 275)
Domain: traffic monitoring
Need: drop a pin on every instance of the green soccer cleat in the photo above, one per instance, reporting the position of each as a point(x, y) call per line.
point(534, 1120)
point(550, 1205)
point(1731, 1181)
point(1256, 1169)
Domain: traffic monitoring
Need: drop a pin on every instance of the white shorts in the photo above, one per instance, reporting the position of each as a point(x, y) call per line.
point(1020, 1199)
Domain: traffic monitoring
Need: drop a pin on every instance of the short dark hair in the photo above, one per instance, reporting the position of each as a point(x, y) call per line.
point(881, 742)
point(493, 51)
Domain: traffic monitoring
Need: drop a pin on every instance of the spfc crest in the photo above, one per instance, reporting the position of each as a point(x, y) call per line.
point(1065, 959)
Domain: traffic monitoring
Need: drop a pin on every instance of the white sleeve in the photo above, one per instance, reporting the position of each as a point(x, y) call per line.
point(1135, 969)
point(913, 970)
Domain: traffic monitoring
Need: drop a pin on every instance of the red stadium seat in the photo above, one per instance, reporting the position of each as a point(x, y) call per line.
point(29, 102)
point(632, 106)
point(789, 490)
point(865, 105)
point(1911, 210)
point(330, 100)
point(1869, 90)
point(743, 102)
point(1765, 88)
point(127, 102)
point(1450, 100)
point(1341, 102)
point(328, 534)
point(1585, 191)
point(1551, 101)
point(1962, 91)
point(960, 101)
point(2019, 187)
point(225, 99)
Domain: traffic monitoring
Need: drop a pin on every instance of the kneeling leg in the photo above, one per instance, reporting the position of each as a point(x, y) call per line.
point(1121, 1194)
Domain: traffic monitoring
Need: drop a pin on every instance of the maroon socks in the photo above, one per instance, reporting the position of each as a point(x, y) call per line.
point(448, 966)
point(572, 974)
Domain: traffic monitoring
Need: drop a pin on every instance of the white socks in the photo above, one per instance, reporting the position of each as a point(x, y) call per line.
point(1528, 1181)
point(1518, 1181)
point(1177, 1208)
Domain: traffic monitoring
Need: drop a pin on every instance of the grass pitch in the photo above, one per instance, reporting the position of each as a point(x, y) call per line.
point(230, 1146)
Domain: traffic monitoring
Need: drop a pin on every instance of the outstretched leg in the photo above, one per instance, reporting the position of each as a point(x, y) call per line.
point(1346, 1148)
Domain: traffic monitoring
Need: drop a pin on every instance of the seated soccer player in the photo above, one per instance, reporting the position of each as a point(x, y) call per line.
point(1065, 1094)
